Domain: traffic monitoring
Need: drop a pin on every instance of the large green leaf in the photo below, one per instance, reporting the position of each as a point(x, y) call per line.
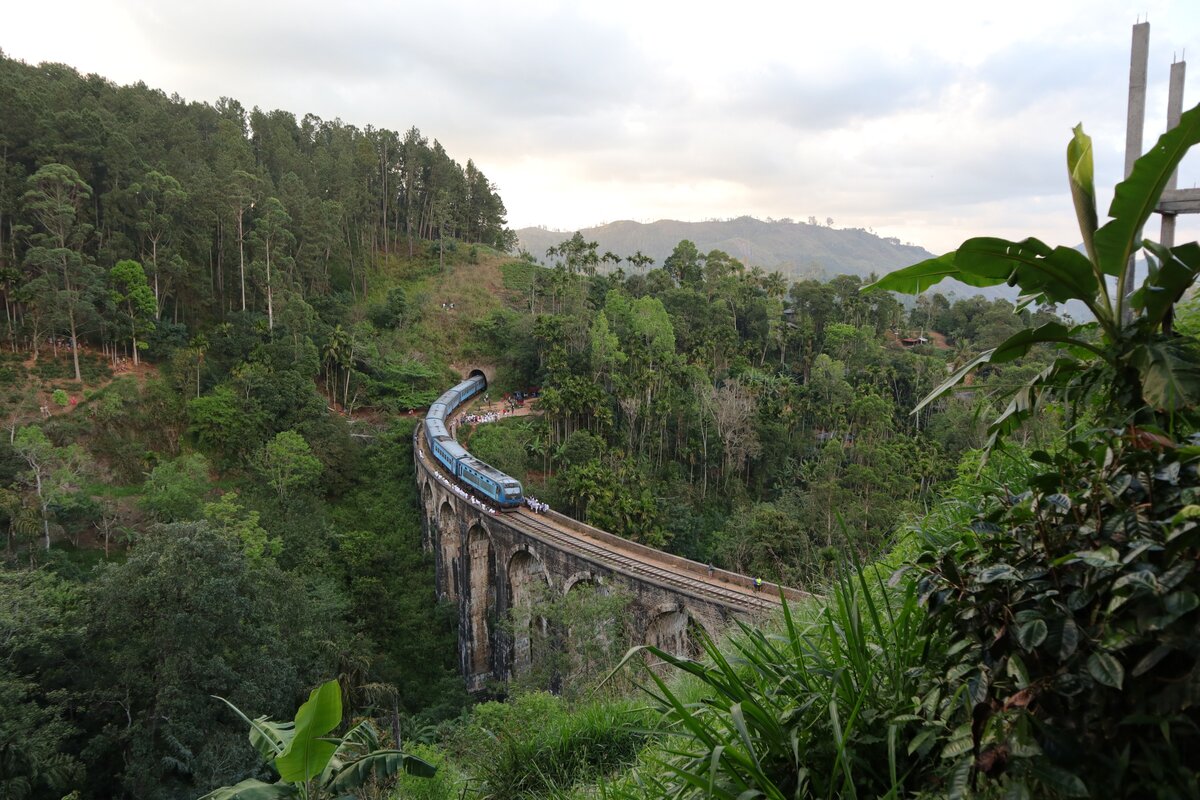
point(1063, 274)
point(1171, 275)
point(1022, 342)
point(1083, 189)
point(1055, 274)
point(985, 262)
point(1011, 348)
point(922, 275)
point(1135, 197)
point(269, 738)
point(380, 764)
point(1106, 669)
point(307, 753)
point(1170, 375)
point(253, 790)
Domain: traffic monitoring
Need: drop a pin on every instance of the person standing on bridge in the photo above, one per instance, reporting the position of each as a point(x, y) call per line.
point(757, 584)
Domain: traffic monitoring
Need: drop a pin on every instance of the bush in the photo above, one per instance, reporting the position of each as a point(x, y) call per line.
point(1074, 609)
point(533, 746)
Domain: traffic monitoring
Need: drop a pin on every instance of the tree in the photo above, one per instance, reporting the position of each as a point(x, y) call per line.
point(131, 293)
point(175, 490)
point(640, 260)
point(732, 410)
point(685, 264)
point(311, 763)
point(67, 282)
point(220, 421)
point(160, 203)
point(187, 616)
point(576, 255)
point(228, 517)
point(288, 465)
point(242, 192)
point(37, 635)
point(53, 472)
point(272, 238)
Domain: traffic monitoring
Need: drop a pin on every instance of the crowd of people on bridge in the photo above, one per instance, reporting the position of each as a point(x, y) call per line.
point(481, 419)
point(458, 490)
point(536, 506)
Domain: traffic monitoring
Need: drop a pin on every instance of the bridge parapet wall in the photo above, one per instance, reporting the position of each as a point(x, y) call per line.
point(677, 562)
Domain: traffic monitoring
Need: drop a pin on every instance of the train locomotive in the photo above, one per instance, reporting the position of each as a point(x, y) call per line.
point(482, 478)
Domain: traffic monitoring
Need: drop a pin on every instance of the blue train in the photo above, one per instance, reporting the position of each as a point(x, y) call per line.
point(484, 479)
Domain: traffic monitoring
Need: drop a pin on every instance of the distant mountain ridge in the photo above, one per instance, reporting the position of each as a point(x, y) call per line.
point(798, 250)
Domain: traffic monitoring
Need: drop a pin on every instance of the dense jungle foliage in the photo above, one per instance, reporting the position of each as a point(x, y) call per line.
point(219, 323)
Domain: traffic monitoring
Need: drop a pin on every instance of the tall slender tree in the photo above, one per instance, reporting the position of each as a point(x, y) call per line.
point(67, 281)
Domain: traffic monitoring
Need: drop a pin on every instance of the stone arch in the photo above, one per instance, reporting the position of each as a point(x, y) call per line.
point(427, 497)
point(483, 373)
point(673, 628)
point(591, 638)
point(450, 541)
point(479, 591)
point(583, 576)
point(526, 575)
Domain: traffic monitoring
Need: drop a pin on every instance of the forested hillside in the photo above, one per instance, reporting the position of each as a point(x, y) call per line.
point(220, 328)
point(216, 326)
point(799, 250)
point(197, 299)
point(226, 209)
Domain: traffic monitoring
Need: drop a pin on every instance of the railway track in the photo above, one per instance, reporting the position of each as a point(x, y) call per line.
point(603, 555)
point(639, 568)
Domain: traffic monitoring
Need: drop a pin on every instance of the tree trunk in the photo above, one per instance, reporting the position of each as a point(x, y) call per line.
point(270, 306)
point(75, 346)
point(242, 256)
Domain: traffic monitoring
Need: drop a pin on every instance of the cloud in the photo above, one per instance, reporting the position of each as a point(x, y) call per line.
point(948, 114)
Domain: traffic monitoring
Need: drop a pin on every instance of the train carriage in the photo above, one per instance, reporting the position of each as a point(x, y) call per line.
point(482, 478)
point(448, 452)
point(489, 481)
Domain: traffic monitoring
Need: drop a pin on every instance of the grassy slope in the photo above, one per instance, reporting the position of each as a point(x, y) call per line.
point(439, 335)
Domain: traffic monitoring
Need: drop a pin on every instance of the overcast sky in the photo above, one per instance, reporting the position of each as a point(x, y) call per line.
point(929, 121)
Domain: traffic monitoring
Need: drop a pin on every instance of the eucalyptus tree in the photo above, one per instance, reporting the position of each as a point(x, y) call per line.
point(413, 151)
point(272, 238)
point(242, 192)
point(160, 203)
point(65, 280)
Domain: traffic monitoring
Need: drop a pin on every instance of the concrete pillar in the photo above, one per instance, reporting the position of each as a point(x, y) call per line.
point(1174, 111)
point(1135, 123)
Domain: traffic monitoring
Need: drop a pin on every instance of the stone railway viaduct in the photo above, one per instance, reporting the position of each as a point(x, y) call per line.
point(491, 564)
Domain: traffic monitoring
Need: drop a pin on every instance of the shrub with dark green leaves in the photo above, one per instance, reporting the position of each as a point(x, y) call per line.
point(1075, 612)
